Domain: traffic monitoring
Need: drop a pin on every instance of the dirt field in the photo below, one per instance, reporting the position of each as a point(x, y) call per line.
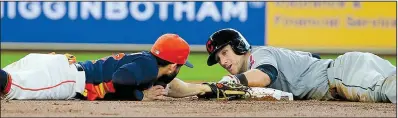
point(190, 107)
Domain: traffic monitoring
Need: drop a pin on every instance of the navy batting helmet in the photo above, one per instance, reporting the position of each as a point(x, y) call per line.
point(222, 38)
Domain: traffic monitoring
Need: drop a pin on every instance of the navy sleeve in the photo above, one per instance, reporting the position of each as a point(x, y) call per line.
point(134, 77)
point(270, 71)
point(138, 72)
point(125, 92)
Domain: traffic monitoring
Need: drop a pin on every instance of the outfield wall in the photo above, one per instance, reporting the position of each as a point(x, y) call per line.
point(323, 27)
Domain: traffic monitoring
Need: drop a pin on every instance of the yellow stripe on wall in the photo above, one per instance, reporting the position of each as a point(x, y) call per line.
point(331, 24)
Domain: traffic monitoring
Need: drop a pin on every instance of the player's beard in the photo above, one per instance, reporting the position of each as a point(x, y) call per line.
point(168, 77)
point(172, 75)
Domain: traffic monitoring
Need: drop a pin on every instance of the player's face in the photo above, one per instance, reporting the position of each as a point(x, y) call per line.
point(230, 61)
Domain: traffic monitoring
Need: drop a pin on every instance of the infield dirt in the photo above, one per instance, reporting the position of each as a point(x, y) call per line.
point(192, 107)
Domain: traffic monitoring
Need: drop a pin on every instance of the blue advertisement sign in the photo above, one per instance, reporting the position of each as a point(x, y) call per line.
point(128, 22)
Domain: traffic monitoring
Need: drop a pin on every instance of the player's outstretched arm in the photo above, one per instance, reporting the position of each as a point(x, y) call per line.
point(178, 89)
point(257, 78)
point(261, 76)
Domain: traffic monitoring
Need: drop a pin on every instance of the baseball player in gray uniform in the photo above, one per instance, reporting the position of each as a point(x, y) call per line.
point(353, 76)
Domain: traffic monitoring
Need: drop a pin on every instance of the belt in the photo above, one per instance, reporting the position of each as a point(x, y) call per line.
point(79, 67)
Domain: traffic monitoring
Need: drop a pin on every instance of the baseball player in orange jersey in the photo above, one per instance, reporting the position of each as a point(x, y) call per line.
point(123, 76)
point(353, 76)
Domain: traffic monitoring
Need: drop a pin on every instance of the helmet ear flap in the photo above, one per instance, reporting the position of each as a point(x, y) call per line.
point(237, 50)
point(240, 46)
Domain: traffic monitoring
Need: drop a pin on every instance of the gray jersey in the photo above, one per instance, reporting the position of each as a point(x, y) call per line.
point(298, 72)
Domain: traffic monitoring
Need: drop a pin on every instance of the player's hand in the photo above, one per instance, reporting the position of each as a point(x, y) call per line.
point(229, 79)
point(71, 58)
point(155, 93)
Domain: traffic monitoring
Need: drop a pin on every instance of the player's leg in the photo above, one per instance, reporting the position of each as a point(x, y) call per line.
point(363, 77)
point(178, 88)
point(44, 76)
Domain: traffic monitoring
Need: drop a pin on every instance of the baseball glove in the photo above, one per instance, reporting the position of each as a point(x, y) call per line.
point(233, 91)
point(225, 91)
